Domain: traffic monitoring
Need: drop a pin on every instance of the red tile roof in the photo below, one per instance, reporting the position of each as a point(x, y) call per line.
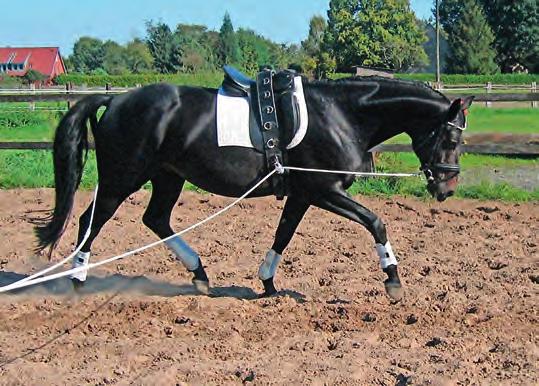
point(46, 60)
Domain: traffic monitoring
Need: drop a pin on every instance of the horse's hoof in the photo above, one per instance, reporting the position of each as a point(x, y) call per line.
point(267, 294)
point(394, 291)
point(203, 287)
point(77, 284)
point(269, 288)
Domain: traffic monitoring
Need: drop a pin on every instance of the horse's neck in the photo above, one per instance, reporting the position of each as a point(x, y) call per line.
point(399, 115)
point(380, 109)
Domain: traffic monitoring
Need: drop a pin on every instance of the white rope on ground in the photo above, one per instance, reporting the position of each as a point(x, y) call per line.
point(70, 257)
point(27, 283)
point(31, 280)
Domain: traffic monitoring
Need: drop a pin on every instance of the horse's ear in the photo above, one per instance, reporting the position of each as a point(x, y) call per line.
point(454, 110)
point(467, 102)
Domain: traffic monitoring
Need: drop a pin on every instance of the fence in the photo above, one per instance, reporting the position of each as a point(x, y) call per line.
point(489, 92)
point(514, 147)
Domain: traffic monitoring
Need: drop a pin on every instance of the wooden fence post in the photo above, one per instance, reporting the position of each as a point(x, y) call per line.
point(32, 105)
point(68, 88)
point(534, 90)
point(489, 90)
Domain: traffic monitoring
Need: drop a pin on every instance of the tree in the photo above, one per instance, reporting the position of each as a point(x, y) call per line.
point(315, 61)
point(469, 36)
point(115, 59)
point(164, 47)
point(255, 50)
point(138, 56)
point(381, 33)
point(88, 55)
point(325, 65)
point(516, 27)
point(229, 49)
point(313, 43)
point(430, 49)
point(33, 76)
point(198, 47)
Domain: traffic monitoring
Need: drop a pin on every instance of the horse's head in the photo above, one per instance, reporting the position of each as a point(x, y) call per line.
point(439, 150)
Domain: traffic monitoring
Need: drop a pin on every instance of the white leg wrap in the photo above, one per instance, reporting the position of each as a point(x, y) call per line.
point(81, 259)
point(269, 265)
point(184, 253)
point(387, 257)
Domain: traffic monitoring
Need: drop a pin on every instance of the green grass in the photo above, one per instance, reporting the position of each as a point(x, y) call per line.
point(33, 169)
point(484, 190)
point(488, 120)
point(514, 121)
point(43, 132)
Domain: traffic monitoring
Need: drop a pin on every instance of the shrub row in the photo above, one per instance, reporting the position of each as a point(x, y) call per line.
point(131, 80)
point(214, 79)
point(475, 79)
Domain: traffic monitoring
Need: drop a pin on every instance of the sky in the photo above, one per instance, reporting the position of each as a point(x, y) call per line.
point(62, 22)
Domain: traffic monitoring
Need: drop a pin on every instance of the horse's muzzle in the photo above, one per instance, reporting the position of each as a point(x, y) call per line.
point(444, 196)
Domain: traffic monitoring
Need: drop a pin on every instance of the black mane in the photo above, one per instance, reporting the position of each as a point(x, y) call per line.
point(423, 86)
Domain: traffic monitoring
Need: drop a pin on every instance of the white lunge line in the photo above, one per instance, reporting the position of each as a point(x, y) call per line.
point(21, 284)
point(360, 174)
point(31, 280)
point(70, 257)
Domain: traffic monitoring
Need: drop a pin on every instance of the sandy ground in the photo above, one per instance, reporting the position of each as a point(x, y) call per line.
point(470, 314)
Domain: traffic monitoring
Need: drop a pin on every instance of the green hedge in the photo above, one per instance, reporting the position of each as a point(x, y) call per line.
point(214, 79)
point(475, 79)
point(466, 79)
point(211, 79)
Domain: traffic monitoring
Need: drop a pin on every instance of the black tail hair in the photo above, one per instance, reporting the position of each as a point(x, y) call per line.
point(70, 148)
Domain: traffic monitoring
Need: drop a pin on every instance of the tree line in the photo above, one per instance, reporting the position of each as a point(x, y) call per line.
point(479, 37)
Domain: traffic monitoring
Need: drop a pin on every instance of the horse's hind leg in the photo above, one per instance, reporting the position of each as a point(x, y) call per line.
point(107, 203)
point(166, 188)
point(339, 202)
point(293, 212)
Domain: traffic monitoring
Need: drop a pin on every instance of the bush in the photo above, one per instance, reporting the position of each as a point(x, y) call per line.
point(464, 79)
point(209, 79)
point(474, 79)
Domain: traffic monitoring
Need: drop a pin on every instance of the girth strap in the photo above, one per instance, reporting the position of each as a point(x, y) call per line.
point(270, 128)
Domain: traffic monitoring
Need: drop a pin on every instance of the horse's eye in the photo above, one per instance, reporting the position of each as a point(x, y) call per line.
point(451, 144)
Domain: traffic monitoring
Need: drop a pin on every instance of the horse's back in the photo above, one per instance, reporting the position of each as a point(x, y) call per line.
point(172, 127)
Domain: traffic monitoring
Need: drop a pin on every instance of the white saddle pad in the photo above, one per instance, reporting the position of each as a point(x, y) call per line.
point(233, 119)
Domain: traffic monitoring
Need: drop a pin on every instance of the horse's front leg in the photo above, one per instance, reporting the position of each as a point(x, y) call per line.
point(293, 212)
point(339, 202)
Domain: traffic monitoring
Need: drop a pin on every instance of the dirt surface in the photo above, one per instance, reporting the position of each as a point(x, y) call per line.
point(469, 315)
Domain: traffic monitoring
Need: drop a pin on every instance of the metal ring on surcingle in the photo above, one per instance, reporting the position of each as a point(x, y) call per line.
point(271, 143)
point(266, 80)
point(267, 94)
point(268, 125)
point(269, 109)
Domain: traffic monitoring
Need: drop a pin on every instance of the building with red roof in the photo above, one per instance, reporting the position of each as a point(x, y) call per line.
point(17, 61)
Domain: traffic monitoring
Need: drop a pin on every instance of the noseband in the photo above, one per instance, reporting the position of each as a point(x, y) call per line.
point(430, 167)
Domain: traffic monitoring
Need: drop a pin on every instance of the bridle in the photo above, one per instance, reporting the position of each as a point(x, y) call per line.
point(430, 167)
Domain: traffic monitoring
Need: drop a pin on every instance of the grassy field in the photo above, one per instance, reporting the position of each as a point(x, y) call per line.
point(40, 126)
point(489, 120)
point(34, 168)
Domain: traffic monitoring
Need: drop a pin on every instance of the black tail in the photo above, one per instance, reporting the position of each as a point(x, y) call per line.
point(70, 145)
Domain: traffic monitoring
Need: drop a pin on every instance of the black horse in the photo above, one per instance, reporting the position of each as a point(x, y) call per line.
point(166, 134)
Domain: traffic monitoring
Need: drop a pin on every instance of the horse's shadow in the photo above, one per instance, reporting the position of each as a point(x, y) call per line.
point(138, 285)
